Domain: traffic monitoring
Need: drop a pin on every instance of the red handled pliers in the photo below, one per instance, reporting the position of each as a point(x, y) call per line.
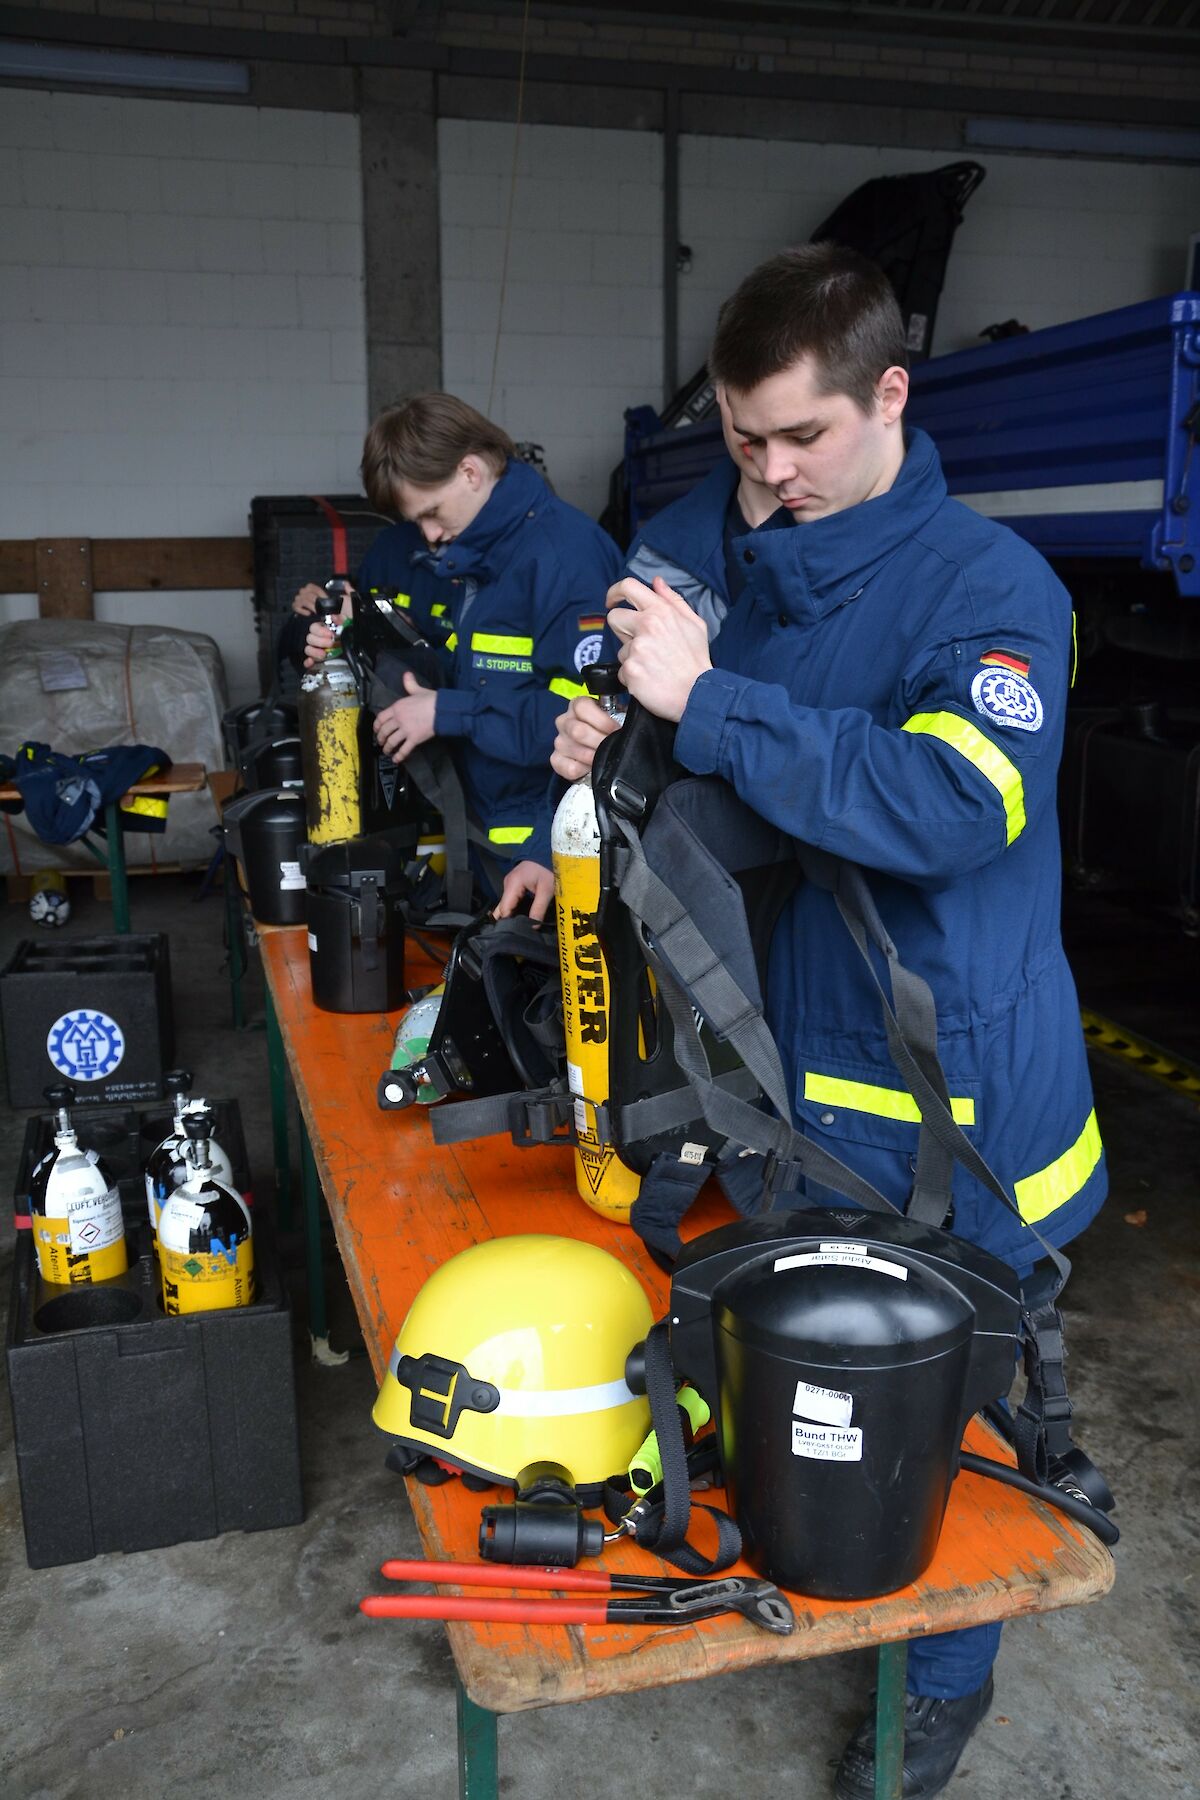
point(660, 1599)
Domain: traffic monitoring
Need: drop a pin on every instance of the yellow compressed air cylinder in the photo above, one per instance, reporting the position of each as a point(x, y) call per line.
point(329, 710)
point(607, 1184)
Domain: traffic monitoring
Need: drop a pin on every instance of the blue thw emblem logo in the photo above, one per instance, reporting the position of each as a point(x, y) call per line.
point(85, 1046)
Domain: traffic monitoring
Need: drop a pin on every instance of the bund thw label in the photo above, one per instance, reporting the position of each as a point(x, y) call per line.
point(826, 1443)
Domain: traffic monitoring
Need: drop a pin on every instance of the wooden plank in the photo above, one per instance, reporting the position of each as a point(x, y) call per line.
point(135, 565)
point(63, 572)
point(401, 1205)
point(180, 778)
point(18, 566)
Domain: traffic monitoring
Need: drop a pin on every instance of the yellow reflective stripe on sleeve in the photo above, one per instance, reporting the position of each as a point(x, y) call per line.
point(885, 1103)
point(568, 689)
point(510, 834)
point(1074, 647)
point(1062, 1179)
point(452, 641)
point(979, 751)
point(144, 804)
point(404, 601)
point(492, 645)
point(438, 609)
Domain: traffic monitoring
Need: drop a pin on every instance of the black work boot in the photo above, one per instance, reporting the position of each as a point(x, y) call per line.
point(935, 1736)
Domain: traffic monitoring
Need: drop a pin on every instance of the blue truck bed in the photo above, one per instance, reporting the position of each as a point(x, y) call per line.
point(1083, 437)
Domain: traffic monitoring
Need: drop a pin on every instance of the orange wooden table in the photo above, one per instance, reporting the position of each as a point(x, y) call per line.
point(401, 1205)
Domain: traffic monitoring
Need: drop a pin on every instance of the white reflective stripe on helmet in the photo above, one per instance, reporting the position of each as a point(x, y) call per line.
point(554, 1403)
point(565, 1403)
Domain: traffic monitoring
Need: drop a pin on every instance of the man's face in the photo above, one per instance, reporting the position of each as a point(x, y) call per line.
point(818, 453)
point(443, 513)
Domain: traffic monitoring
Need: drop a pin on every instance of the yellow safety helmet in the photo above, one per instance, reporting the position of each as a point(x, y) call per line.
point(513, 1353)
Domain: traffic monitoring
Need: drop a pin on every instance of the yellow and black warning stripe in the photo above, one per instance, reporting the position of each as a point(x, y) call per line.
point(1174, 1071)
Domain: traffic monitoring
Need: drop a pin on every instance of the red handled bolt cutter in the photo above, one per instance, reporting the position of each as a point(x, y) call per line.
point(646, 1599)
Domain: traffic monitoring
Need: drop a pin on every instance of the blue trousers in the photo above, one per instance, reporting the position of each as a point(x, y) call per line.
point(953, 1663)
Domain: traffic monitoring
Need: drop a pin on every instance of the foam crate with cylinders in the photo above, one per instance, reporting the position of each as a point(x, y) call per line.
point(133, 1429)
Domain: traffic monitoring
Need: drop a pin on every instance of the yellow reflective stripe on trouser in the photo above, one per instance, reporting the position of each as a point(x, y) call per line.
point(885, 1103)
point(492, 645)
point(149, 808)
point(1062, 1179)
point(509, 834)
point(980, 751)
point(568, 689)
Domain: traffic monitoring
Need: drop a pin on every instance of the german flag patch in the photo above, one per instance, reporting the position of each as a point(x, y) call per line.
point(1007, 659)
point(592, 621)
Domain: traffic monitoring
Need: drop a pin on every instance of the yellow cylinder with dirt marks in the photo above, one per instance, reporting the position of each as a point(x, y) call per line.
point(329, 751)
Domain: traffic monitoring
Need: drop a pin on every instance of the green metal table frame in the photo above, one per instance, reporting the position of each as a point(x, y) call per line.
point(479, 1758)
point(236, 939)
point(310, 1186)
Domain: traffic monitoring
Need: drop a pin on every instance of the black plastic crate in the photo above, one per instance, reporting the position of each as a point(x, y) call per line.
point(293, 544)
point(123, 1137)
point(133, 1430)
point(95, 1012)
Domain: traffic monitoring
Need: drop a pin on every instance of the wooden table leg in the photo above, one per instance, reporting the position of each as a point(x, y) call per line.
point(277, 1075)
point(478, 1753)
point(889, 1721)
point(115, 847)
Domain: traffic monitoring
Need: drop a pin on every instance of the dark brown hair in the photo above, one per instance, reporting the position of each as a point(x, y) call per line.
point(423, 441)
point(818, 300)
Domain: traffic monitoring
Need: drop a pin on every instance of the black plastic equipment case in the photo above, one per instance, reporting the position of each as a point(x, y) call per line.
point(101, 1006)
point(133, 1430)
point(293, 544)
point(124, 1137)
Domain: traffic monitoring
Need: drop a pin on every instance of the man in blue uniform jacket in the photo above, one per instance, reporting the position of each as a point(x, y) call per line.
point(506, 576)
point(891, 687)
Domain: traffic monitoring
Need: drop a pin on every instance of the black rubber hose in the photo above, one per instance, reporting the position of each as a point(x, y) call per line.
point(1078, 1510)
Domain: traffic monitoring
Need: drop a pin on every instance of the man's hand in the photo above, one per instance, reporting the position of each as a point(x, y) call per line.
point(526, 878)
point(664, 644)
point(581, 729)
point(400, 727)
point(317, 644)
point(307, 597)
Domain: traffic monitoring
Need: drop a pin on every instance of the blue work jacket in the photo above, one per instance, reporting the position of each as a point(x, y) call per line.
point(891, 687)
point(522, 594)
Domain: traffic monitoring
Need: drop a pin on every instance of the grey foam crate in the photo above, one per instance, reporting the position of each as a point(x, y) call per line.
point(133, 1430)
point(101, 1005)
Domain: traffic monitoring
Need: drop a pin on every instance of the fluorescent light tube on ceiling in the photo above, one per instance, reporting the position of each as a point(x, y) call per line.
point(21, 61)
point(1147, 142)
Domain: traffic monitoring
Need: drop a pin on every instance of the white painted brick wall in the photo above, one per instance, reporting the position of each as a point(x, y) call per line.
point(582, 335)
point(181, 327)
point(1043, 239)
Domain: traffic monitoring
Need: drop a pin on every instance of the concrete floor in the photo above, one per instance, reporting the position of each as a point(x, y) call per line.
point(241, 1665)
